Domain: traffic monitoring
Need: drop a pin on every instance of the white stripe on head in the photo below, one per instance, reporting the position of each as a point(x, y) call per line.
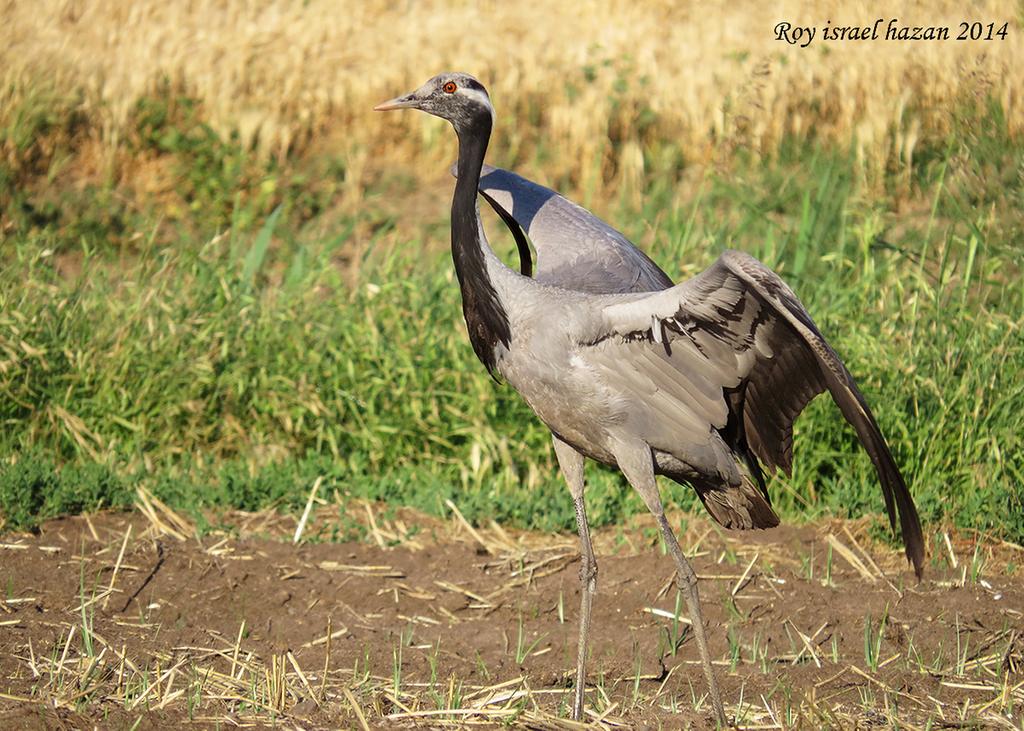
point(479, 96)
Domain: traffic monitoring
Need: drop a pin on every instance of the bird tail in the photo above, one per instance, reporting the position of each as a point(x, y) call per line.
point(741, 507)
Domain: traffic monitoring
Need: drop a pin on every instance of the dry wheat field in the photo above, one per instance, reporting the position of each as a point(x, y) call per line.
point(251, 476)
point(284, 74)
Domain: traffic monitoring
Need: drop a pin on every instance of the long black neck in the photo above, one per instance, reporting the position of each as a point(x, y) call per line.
point(485, 315)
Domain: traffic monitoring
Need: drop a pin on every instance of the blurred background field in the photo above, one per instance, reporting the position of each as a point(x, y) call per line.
point(224, 276)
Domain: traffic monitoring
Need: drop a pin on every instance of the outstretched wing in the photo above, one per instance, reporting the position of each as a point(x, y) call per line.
point(740, 319)
point(575, 249)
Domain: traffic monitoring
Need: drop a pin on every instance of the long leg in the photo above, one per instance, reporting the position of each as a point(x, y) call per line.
point(637, 465)
point(571, 463)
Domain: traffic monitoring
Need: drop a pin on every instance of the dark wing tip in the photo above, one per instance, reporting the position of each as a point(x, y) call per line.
point(897, 496)
point(899, 503)
point(910, 528)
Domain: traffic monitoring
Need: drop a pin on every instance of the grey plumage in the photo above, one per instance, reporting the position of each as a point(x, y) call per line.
point(700, 381)
point(575, 248)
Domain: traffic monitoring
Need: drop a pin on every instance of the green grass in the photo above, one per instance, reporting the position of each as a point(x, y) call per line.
point(226, 352)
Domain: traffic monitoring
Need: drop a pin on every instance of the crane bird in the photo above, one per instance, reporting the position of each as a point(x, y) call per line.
point(699, 382)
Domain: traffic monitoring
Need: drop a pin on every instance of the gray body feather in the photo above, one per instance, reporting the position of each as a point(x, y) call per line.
point(575, 249)
point(706, 377)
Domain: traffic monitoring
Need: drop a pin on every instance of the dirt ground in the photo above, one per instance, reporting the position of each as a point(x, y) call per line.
point(130, 620)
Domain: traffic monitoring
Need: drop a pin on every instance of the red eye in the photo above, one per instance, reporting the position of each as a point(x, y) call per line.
point(449, 87)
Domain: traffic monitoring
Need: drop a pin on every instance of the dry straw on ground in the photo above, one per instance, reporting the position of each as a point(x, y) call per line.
point(129, 617)
point(281, 72)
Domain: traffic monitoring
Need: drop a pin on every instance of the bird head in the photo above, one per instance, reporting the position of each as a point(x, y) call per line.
point(454, 96)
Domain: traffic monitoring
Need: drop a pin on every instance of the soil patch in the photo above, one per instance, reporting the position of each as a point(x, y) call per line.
point(131, 620)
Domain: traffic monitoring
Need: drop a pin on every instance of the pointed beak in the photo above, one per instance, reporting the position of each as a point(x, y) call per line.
point(409, 101)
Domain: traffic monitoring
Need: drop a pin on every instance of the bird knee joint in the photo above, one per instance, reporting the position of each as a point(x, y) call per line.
point(686, 581)
point(588, 574)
